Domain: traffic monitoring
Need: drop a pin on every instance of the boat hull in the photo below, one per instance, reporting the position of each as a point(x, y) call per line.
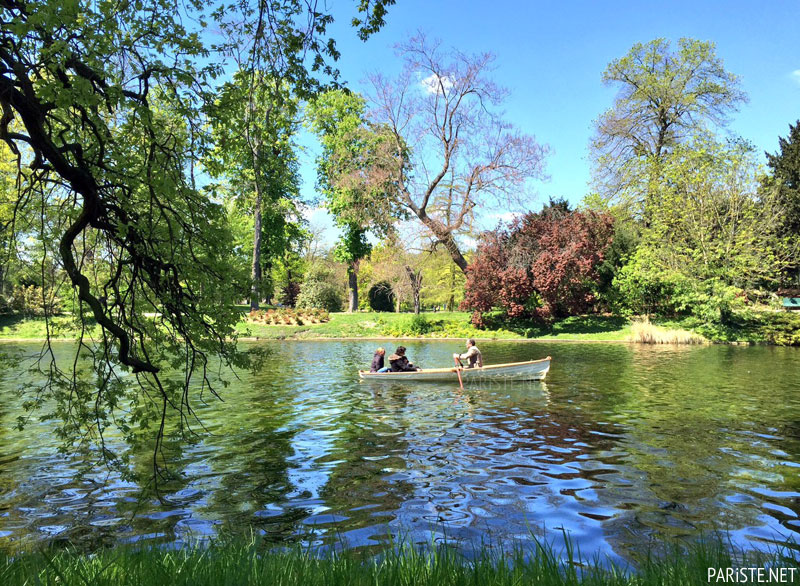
point(515, 371)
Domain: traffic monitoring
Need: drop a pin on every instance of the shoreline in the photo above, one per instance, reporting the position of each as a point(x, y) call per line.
point(424, 339)
point(755, 330)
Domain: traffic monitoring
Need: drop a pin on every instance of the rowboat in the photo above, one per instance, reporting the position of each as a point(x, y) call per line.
point(512, 371)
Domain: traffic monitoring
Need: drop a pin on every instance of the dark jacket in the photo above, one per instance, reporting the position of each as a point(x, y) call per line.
point(377, 362)
point(400, 363)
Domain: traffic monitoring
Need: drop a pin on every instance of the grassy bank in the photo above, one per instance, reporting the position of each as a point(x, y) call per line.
point(454, 324)
point(246, 564)
point(764, 327)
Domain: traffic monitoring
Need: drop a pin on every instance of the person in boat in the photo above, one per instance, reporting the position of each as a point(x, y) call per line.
point(377, 361)
point(399, 362)
point(473, 356)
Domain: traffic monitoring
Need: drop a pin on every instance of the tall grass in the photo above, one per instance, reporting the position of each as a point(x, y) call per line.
point(643, 332)
point(252, 563)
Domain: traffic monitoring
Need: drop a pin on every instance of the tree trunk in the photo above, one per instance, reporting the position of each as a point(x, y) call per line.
point(451, 301)
point(267, 286)
point(352, 283)
point(256, 268)
point(415, 278)
point(444, 236)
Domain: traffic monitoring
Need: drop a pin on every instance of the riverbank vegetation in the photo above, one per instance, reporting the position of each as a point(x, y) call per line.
point(253, 563)
point(279, 324)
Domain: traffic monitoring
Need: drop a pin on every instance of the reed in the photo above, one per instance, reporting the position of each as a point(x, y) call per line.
point(247, 563)
point(644, 332)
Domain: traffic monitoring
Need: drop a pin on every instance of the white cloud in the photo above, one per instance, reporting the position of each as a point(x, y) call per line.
point(504, 217)
point(314, 214)
point(795, 75)
point(433, 84)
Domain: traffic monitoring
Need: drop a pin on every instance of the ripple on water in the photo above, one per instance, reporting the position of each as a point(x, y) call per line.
point(621, 445)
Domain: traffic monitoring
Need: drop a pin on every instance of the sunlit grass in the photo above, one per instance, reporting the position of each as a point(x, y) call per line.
point(36, 328)
point(247, 563)
point(764, 327)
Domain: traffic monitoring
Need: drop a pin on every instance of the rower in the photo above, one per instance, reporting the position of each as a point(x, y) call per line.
point(473, 355)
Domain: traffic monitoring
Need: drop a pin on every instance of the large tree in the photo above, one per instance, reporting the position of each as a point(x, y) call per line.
point(455, 154)
point(544, 265)
point(665, 96)
point(254, 121)
point(712, 235)
point(354, 176)
point(784, 185)
point(103, 102)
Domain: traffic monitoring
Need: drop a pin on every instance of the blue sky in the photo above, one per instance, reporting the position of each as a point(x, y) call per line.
point(551, 56)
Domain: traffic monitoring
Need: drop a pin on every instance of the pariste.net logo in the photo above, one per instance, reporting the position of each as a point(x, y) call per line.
point(751, 575)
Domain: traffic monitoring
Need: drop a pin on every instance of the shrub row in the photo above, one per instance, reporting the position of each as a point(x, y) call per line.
point(288, 316)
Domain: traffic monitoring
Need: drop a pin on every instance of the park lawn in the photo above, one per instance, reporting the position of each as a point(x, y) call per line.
point(62, 327)
point(762, 327)
point(435, 325)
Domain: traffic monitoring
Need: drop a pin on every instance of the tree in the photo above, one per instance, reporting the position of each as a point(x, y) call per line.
point(665, 97)
point(712, 236)
point(784, 185)
point(352, 176)
point(545, 265)
point(444, 281)
point(443, 115)
point(320, 289)
point(253, 129)
point(381, 297)
point(104, 103)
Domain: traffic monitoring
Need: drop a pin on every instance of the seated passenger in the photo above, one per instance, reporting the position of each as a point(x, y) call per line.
point(399, 362)
point(377, 361)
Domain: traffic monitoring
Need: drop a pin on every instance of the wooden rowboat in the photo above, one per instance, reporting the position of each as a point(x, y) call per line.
point(530, 370)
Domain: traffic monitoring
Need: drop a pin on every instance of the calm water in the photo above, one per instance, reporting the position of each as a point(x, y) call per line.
point(623, 445)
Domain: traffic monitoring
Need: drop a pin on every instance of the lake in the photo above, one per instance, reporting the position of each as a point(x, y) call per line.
point(621, 447)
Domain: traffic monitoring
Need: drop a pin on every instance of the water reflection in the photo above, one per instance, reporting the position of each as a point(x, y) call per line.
point(622, 445)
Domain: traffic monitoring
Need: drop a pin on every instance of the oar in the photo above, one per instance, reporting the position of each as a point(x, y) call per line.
point(458, 372)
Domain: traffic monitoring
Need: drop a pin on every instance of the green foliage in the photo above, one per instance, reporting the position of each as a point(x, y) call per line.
point(320, 290)
point(645, 286)
point(380, 297)
point(665, 96)
point(420, 325)
point(357, 187)
point(710, 238)
point(412, 326)
point(106, 106)
point(783, 185)
point(31, 300)
point(351, 172)
point(353, 245)
point(254, 122)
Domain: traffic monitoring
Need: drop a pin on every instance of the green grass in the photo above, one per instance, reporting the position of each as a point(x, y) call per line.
point(757, 327)
point(35, 328)
point(253, 563)
point(454, 324)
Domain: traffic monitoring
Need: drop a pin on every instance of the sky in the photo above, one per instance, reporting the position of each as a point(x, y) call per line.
point(551, 56)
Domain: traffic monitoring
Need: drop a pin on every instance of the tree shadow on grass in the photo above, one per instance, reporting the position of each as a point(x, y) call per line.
point(11, 320)
point(779, 328)
point(589, 324)
point(571, 326)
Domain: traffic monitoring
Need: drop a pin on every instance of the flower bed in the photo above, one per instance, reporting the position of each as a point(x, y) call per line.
point(288, 317)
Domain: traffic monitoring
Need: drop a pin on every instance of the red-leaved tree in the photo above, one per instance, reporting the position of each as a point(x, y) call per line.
point(543, 265)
